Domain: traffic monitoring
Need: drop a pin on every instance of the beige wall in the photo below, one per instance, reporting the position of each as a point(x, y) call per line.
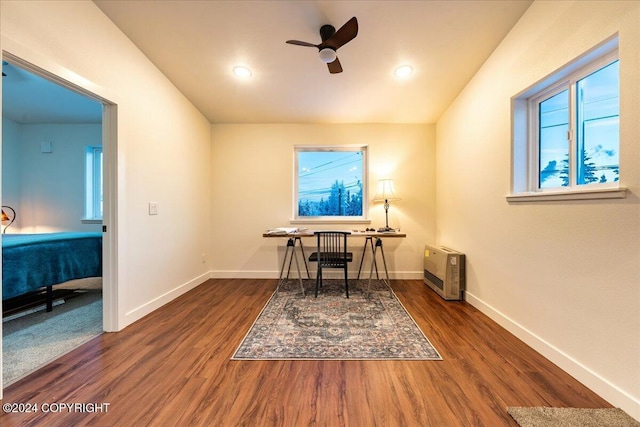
point(563, 276)
point(163, 146)
point(252, 191)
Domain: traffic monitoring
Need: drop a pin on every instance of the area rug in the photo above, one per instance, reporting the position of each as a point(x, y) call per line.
point(32, 341)
point(571, 417)
point(373, 326)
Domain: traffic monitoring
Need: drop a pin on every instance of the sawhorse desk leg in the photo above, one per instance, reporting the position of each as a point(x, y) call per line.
point(368, 242)
point(304, 257)
point(291, 243)
point(384, 261)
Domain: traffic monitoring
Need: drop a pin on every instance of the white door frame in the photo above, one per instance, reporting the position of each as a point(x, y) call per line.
point(110, 191)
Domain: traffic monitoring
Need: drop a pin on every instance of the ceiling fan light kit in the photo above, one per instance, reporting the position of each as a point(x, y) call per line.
point(327, 55)
point(332, 40)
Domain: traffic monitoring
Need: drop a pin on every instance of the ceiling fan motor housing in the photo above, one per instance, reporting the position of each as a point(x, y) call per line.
point(327, 31)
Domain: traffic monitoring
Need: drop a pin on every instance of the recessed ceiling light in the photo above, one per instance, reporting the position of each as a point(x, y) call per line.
point(242, 72)
point(404, 71)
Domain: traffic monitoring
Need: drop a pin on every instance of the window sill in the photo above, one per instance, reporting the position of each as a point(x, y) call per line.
point(608, 193)
point(324, 220)
point(91, 220)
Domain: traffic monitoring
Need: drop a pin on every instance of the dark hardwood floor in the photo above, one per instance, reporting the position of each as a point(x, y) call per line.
point(173, 368)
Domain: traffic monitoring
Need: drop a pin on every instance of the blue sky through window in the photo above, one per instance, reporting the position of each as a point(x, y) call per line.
point(596, 133)
point(599, 125)
point(330, 183)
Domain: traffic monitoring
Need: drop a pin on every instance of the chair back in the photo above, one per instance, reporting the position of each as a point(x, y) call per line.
point(332, 248)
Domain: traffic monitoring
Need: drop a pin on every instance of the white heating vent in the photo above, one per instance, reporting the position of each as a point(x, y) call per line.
point(444, 271)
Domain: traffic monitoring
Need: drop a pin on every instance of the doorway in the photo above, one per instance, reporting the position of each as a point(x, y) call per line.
point(90, 111)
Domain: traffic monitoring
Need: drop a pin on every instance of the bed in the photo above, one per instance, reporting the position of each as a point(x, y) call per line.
point(31, 262)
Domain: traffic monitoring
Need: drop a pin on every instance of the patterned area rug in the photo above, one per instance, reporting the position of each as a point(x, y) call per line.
point(331, 326)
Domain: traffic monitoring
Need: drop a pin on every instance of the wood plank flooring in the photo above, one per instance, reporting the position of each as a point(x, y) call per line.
point(173, 368)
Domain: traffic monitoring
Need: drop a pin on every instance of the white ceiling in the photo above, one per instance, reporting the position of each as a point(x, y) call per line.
point(197, 43)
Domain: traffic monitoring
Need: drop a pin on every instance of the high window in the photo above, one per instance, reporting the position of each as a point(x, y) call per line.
point(580, 148)
point(93, 183)
point(567, 128)
point(330, 182)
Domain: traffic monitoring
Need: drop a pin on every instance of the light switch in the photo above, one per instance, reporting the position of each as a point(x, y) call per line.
point(46, 147)
point(153, 208)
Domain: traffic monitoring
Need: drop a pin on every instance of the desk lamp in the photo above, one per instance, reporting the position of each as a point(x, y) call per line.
point(5, 217)
point(386, 192)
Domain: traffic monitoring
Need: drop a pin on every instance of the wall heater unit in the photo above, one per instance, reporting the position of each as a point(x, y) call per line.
point(444, 271)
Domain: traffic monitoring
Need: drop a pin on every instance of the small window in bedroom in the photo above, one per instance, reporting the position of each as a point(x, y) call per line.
point(567, 129)
point(330, 183)
point(93, 183)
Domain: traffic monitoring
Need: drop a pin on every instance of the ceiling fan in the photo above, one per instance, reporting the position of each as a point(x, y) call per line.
point(332, 40)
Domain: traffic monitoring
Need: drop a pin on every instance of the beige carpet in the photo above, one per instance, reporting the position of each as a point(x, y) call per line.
point(571, 417)
point(30, 342)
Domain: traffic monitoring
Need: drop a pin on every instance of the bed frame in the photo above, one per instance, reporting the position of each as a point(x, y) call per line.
point(31, 262)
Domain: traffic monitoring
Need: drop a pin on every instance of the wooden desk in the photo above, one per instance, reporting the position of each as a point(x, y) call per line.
point(295, 239)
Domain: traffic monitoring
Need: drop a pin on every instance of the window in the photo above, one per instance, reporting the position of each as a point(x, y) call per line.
point(93, 183)
point(567, 128)
point(330, 183)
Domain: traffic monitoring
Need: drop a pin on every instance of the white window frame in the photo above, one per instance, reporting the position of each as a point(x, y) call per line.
point(93, 184)
point(364, 218)
point(534, 134)
point(525, 168)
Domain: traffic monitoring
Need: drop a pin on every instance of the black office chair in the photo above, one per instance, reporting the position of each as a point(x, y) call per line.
point(332, 253)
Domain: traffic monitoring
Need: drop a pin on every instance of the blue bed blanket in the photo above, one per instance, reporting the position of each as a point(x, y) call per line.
point(33, 261)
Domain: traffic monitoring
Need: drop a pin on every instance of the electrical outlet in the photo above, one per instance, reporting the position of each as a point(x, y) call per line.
point(153, 208)
point(204, 258)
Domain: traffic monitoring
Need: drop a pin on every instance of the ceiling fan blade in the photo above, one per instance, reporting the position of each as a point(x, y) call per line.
point(344, 35)
point(299, 43)
point(335, 67)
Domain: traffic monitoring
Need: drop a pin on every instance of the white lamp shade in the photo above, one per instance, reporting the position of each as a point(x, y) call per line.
point(386, 191)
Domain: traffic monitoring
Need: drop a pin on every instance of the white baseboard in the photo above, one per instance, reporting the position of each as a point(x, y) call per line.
point(141, 311)
point(246, 274)
point(604, 388)
point(271, 274)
